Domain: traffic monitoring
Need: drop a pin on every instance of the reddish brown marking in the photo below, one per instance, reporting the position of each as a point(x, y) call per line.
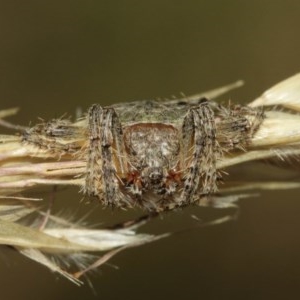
point(173, 176)
point(134, 177)
point(161, 126)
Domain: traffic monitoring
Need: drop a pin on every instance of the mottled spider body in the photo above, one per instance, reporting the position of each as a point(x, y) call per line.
point(153, 154)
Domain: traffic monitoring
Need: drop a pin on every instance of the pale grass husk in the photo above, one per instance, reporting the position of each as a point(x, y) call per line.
point(23, 166)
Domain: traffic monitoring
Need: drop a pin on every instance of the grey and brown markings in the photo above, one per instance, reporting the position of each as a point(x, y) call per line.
point(156, 155)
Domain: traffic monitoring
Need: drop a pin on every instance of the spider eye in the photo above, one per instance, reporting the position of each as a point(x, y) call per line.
point(153, 175)
point(156, 175)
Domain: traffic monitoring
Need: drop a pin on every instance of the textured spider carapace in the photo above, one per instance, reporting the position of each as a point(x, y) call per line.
point(158, 155)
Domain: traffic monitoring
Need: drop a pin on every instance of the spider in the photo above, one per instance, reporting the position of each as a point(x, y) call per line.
point(158, 155)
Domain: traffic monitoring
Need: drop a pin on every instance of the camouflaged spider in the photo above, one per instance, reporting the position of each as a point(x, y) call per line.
point(158, 155)
point(162, 155)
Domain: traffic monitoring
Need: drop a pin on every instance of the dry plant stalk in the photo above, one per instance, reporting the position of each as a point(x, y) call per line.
point(128, 155)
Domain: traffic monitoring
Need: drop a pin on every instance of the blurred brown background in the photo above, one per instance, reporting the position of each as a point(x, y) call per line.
point(56, 56)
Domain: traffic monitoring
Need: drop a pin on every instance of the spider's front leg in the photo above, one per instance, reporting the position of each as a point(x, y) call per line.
point(106, 157)
point(58, 137)
point(200, 153)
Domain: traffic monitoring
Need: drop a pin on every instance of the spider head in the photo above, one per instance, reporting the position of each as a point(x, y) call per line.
point(152, 177)
point(153, 150)
point(154, 180)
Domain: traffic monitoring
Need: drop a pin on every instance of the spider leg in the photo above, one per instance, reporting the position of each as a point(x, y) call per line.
point(103, 161)
point(200, 153)
point(58, 137)
point(237, 125)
